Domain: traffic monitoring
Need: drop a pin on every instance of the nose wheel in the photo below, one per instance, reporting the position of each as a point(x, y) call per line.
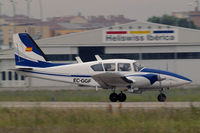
point(162, 97)
point(114, 97)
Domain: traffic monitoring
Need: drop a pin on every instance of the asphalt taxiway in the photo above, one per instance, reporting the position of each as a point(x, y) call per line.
point(101, 105)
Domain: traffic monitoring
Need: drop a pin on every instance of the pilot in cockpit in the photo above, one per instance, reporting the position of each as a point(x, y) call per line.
point(126, 67)
point(109, 67)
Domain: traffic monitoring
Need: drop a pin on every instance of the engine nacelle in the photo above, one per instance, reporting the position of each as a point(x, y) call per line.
point(144, 80)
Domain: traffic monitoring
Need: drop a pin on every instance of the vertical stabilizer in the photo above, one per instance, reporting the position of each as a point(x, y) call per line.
point(27, 53)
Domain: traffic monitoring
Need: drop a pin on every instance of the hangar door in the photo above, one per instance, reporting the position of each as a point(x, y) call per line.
point(87, 53)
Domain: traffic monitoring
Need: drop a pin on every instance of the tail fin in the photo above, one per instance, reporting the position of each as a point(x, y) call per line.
point(27, 53)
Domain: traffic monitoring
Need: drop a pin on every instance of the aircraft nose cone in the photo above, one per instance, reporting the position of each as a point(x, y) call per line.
point(185, 79)
point(188, 81)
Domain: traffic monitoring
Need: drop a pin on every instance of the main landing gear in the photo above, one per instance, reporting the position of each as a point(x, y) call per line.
point(114, 97)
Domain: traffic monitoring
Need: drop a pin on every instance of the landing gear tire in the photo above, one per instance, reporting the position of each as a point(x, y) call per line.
point(162, 97)
point(113, 97)
point(121, 97)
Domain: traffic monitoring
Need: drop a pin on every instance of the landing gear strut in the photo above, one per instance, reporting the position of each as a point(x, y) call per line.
point(121, 97)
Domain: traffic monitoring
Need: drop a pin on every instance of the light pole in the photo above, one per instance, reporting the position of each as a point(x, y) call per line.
point(14, 24)
point(197, 5)
point(14, 13)
point(1, 34)
point(28, 13)
point(41, 19)
point(1, 8)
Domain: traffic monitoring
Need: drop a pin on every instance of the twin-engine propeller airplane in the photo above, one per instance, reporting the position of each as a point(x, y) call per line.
point(113, 74)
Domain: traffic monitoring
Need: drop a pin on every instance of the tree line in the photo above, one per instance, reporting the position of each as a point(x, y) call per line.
point(172, 20)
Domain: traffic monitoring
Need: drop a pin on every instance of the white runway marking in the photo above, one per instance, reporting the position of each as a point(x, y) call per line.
point(99, 105)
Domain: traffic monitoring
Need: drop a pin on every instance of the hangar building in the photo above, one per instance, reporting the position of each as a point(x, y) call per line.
point(154, 45)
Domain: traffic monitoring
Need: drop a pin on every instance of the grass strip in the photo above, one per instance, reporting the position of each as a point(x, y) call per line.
point(39, 120)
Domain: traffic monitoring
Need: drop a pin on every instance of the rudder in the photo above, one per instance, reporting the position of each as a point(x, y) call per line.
point(26, 51)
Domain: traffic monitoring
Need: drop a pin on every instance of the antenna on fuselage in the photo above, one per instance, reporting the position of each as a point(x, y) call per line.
point(98, 58)
point(167, 67)
point(78, 59)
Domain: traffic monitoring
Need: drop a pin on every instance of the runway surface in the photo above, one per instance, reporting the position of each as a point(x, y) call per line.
point(101, 105)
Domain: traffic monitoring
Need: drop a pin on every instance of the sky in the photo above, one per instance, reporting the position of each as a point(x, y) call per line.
point(133, 9)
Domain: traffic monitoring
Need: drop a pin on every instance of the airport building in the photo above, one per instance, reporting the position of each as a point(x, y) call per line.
point(153, 45)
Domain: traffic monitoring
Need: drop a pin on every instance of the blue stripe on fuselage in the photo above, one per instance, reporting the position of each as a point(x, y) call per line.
point(165, 73)
point(83, 76)
point(151, 77)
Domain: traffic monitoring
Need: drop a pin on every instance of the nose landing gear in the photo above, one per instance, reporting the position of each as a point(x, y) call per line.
point(161, 97)
point(121, 97)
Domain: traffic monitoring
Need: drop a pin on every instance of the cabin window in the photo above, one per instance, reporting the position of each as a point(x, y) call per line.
point(124, 67)
point(137, 67)
point(109, 66)
point(97, 67)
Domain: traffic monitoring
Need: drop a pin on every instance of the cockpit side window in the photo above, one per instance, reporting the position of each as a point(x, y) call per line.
point(109, 66)
point(124, 67)
point(97, 67)
point(137, 67)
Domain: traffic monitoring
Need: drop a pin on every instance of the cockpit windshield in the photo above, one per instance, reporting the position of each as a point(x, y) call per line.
point(137, 67)
point(97, 67)
point(109, 66)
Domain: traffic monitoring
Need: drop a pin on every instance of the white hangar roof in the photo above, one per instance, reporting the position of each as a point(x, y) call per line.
point(182, 36)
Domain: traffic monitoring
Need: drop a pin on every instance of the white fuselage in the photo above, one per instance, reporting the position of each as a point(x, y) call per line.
point(81, 74)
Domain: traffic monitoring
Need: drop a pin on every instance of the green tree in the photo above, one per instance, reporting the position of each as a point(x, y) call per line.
point(168, 20)
point(154, 19)
point(171, 20)
point(192, 25)
point(183, 23)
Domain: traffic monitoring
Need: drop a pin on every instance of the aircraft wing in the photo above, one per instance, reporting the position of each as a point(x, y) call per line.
point(109, 80)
